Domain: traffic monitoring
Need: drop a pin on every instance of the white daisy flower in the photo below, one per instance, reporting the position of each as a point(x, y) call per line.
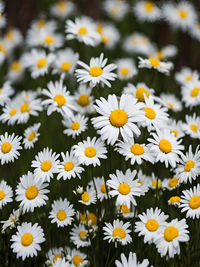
point(62, 212)
point(31, 136)
point(10, 113)
point(126, 212)
point(154, 182)
point(186, 75)
point(174, 201)
point(84, 100)
point(45, 164)
point(170, 183)
point(147, 11)
point(175, 128)
point(117, 232)
point(6, 194)
point(88, 196)
point(12, 220)
point(130, 261)
point(96, 72)
point(165, 52)
point(126, 68)
point(62, 9)
point(76, 257)
point(13, 37)
point(101, 188)
point(53, 255)
point(143, 180)
point(192, 126)
point(5, 92)
point(51, 40)
point(116, 9)
point(171, 102)
point(31, 192)
point(26, 242)
point(79, 236)
point(138, 91)
point(16, 70)
point(10, 144)
point(75, 126)
point(110, 35)
point(61, 263)
point(191, 94)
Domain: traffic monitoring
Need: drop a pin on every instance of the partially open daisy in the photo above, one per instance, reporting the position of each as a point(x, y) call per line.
point(191, 94)
point(109, 35)
point(147, 11)
point(126, 212)
point(61, 262)
point(171, 183)
point(12, 220)
point(117, 117)
point(31, 136)
point(174, 201)
point(117, 232)
point(165, 52)
point(75, 126)
point(144, 182)
point(9, 146)
point(175, 128)
point(6, 194)
point(84, 100)
point(76, 257)
point(186, 75)
point(53, 255)
point(126, 68)
point(154, 182)
point(26, 242)
point(192, 126)
point(116, 9)
point(131, 261)
point(138, 91)
point(96, 72)
point(16, 70)
point(31, 192)
point(62, 212)
point(88, 196)
point(5, 92)
point(79, 236)
point(101, 187)
point(171, 102)
point(62, 9)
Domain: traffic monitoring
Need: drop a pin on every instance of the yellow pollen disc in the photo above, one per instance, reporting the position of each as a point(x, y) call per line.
point(160, 55)
point(170, 105)
point(82, 235)
point(2, 48)
point(27, 239)
point(165, 146)
point(124, 189)
point(95, 71)
point(6, 147)
point(152, 225)
point(61, 5)
point(173, 182)
point(46, 166)
point(119, 232)
point(41, 23)
point(140, 94)
point(60, 100)
point(75, 126)
point(49, 39)
point(85, 197)
point(77, 260)
point(61, 215)
point(103, 189)
point(174, 132)
point(154, 184)
point(92, 217)
point(194, 127)
point(182, 14)
point(124, 71)
point(118, 117)
point(140, 182)
point(149, 6)
point(69, 166)
point(154, 62)
point(170, 233)
point(150, 113)
point(194, 202)
point(82, 218)
point(0, 91)
point(13, 112)
point(99, 29)
point(31, 192)
point(24, 108)
point(10, 35)
point(65, 66)
point(188, 78)
point(124, 209)
point(90, 152)
point(189, 165)
point(137, 149)
point(83, 100)
point(174, 199)
point(41, 63)
point(104, 39)
point(195, 92)
point(15, 66)
point(2, 195)
point(82, 31)
point(31, 136)
point(57, 256)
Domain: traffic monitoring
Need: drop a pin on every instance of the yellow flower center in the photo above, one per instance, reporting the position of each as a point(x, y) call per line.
point(41, 63)
point(83, 100)
point(57, 256)
point(24, 108)
point(124, 71)
point(13, 112)
point(137, 149)
point(194, 127)
point(165, 146)
point(77, 260)
point(152, 225)
point(174, 199)
point(69, 166)
point(182, 14)
point(15, 66)
point(10, 35)
point(85, 197)
point(104, 39)
point(195, 92)
point(99, 29)
point(61, 5)
point(140, 94)
point(189, 165)
point(6, 147)
point(119, 232)
point(31, 192)
point(82, 31)
point(155, 184)
point(92, 217)
point(160, 55)
point(82, 218)
point(173, 182)
point(188, 78)
point(75, 126)
point(41, 23)
point(170, 233)
point(118, 117)
point(154, 62)
point(124, 189)
point(46, 166)
point(174, 132)
point(170, 105)
point(150, 113)
point(31, 136)
point(27, 239)
point(90, 152)
point(2, 195)
point(95, 71)
point(61, 215)
point(124, 209)
point(82, 235)
point(194, 202)
point(60, 100)
point(65, 66)
point(140, 182)
point(149, 6)
point(49, 39)
point(103, 188)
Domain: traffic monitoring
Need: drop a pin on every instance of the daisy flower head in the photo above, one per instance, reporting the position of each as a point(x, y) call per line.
point(76, 258)
point(59, 99)
point(138, 91)
point(16, 70)
point(190, 202)
point(88, 218)
point(192, 126)
point(170, 183)
point(189, 167)
point(191, 94)
point(154, 63)
point(53, 255)
point(62, 9)
point(186, 75)
point(166, 52)
point(126, 68)
point(117, 232)
point(102, 190)
point(88, 196)
point(175, 128)
point(6, 91)
point(6, 194)
point(117, 117)
point(12, 220)
point(84, 100)
point(31, 135)
point(74, 126)
point(90, 151)
point(69, 167)
point(171, 102)
point(116, 9)
point(83, 29)
point(62, 212)
point(46, 164)
point(125, 187)
point(174, 201)
point(147, 11)
point(144, 182)
point(96, 72)
point(79, 236)
point(61, 262)
point(31, 192)
point(126, 212)
point(130, 261)
point(168, 239)
point(10, 144)
point(26, 242)
point(51, 40)
point(166, 147)
point(110, 35)
point(10, 113)
point(13, 38)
